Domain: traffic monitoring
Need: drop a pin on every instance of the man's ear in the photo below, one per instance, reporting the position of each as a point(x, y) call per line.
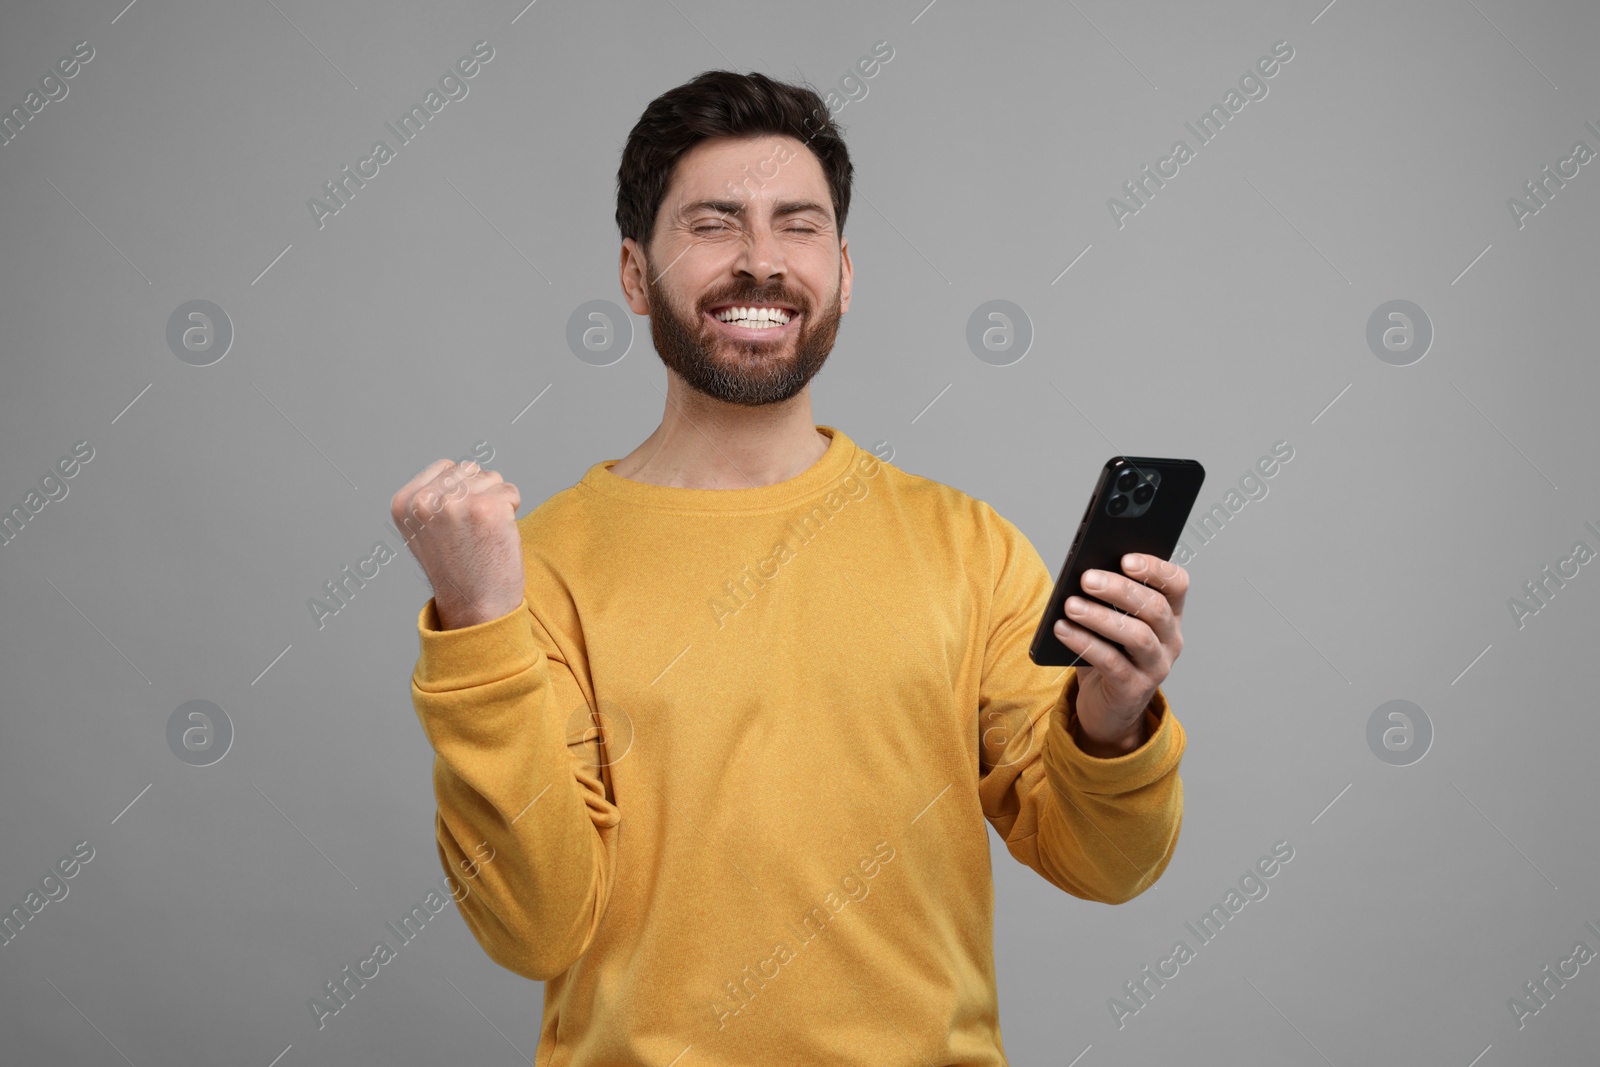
point(844, 275)
point(631, 271)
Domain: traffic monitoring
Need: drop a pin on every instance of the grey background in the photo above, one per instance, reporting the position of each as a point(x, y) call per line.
point(1230, 313)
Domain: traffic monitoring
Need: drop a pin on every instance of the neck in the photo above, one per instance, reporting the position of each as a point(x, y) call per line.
point(704, 443)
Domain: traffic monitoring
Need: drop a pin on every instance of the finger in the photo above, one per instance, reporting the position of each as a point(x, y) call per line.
point(504, 492)
point(1098, 652)
point(1143, 647)
point(1134, 597)
point(464, 479)
point(456, 481)
point(429, 502)
point(401, 501)
point(1163, 574)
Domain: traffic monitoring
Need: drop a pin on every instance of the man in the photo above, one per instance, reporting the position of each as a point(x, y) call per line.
point(718, 729)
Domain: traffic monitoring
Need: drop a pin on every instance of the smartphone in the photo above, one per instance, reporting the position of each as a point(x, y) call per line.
point(1139, 505)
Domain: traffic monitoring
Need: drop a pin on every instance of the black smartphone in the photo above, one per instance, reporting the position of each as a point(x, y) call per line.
point(1139, 505)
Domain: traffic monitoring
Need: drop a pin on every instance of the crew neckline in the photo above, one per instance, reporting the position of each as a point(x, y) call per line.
point(814, 479)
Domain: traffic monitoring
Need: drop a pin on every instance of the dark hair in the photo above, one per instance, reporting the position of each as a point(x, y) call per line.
point(721, 103)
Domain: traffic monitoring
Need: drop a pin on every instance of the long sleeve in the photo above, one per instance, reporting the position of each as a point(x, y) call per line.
point(1100, 829)
point(525, 825)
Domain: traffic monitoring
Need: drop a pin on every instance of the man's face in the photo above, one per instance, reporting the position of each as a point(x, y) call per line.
point(746, 223)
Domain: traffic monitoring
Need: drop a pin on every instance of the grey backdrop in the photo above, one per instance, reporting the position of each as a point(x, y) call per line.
point(1228, 313)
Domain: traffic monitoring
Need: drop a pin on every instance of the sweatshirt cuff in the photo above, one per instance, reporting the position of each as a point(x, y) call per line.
point(1152, 760)
point(471, 656)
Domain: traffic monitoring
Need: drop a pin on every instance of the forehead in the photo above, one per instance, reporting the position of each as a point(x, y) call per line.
point(764, 167)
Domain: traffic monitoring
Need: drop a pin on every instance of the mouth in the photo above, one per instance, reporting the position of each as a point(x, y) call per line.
point(754, 322)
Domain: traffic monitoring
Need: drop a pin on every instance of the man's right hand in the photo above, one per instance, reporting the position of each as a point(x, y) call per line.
point(460, 521)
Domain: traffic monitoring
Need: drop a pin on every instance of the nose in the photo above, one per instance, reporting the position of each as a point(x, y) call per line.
point(762, 258)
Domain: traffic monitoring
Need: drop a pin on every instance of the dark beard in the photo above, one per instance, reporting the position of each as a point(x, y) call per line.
point(751, 373)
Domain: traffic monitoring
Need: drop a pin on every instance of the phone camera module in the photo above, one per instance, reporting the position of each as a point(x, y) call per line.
point(1134, 489)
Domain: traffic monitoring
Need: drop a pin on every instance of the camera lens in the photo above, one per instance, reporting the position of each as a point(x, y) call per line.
point(1143, 494)
point(1117, 504)
point(1126, 480)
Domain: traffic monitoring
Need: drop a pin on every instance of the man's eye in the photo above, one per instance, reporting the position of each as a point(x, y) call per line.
point(714, 226)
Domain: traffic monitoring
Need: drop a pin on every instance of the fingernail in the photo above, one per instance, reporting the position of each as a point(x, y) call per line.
point(1133, 563)
point(1093, 580)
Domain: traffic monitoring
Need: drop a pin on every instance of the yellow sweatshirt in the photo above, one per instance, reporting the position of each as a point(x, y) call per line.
point(722, 781)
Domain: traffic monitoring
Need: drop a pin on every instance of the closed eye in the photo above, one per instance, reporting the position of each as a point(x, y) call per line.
point(710, 227)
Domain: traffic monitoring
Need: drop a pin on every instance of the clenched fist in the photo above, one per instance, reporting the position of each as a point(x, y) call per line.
point(461, 523)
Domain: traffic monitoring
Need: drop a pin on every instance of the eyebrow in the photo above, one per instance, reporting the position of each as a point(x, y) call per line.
point(736, 208)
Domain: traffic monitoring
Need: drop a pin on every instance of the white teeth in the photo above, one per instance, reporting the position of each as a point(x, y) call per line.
point(754, 317)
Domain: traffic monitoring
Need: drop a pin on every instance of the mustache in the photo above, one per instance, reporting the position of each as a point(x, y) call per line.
point(757, 299)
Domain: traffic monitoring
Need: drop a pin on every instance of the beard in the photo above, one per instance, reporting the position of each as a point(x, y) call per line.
point(748, 373)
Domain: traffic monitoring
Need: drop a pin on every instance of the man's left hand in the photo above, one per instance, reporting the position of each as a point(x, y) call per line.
point(1116, 687)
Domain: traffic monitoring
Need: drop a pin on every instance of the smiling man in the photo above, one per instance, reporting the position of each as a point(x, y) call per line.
point(736, 711)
